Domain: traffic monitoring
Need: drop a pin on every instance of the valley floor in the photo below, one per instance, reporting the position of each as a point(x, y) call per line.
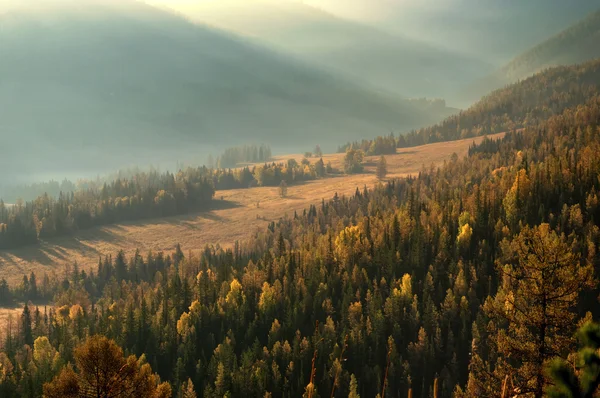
point(236, 215)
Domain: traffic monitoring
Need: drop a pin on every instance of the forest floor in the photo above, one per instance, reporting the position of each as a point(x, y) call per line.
point(236, 215)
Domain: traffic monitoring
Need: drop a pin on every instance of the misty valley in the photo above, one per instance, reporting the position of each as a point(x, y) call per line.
point(299, 198)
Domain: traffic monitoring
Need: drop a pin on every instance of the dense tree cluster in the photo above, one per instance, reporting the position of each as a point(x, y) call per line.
point(467, 280)
point(142, 196)
point(432, 283)
point(353, 161)
point(382, 145)
point(242, 154)
point(269, 174)
point(520, 105)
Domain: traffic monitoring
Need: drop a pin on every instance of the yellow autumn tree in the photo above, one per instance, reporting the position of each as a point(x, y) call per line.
point(532, 317)
point(103, 371)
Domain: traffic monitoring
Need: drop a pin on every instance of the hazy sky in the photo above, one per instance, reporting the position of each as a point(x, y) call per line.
point(357, 9)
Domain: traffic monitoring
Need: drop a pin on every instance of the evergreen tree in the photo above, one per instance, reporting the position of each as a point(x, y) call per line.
point(283, 189)
point(353, 388)
point(381, 168)
point(26, 329)
point(585, 381)
point(533, 314)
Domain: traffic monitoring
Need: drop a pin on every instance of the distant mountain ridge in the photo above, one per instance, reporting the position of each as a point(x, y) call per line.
point(518, 105)
point(494, 31)
point(579, 43)
point(576, 44)
point(393, 62)
point(96, 82)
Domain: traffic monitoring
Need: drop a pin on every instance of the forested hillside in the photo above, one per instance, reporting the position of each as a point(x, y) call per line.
point(468, 278)
point(98, 85)
point(516, 106)
point(573, 45)
point(144, 195)
point(576, 44)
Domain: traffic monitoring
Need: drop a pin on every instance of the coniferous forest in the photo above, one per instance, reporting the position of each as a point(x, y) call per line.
point(469, 280)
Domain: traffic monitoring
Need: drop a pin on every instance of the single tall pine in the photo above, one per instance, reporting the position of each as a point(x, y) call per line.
point(381, 168)
point(533, 315)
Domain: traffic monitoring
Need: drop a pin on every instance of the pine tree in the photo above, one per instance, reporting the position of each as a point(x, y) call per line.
point(318, 152)
point(283, 189)
point(533, 314)
point(584, 383)
point(381, 168)
point(353, 388)
point(33, 291)
point(103, 371)
point(221, 380)
point(26, 329)
point(187, 389)
point(120, 266)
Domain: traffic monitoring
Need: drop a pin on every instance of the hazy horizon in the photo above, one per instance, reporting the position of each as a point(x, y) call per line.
point(134, 85)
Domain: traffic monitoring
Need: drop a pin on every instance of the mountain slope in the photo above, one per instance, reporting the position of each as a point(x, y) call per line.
point(394, 62)
point(114, 82)
point(578, 43)
point(518, 105)
point(494, 31)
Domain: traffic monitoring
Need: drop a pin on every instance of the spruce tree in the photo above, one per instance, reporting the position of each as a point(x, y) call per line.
point(26, 329)
point(532, 317)
point(381, 168)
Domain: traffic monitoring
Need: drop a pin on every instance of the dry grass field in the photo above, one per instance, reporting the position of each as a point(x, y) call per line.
point(233, 218)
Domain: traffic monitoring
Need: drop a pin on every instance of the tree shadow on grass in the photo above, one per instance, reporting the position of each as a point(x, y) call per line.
point(47, 253)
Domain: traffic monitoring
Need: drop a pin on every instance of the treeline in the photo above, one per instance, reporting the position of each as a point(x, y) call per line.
point(382, 145)
point(144, 195)
point(241, 154)
point(573, 45)
point(517, 106)
point(430, 285)
point(269, 174)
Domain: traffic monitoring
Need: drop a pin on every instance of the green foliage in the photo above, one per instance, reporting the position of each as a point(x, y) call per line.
point(585, 380)
point(353, 161)
point(401, 277)
point(520, 105)
point(382, 145)
point(381, 170)
point(144, 195)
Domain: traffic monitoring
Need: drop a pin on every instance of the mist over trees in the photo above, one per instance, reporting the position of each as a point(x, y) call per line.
point(413, 279)
point(576, 44)
point(145, 195)
point(86, 82)
point(243, 154)
point(476, 277)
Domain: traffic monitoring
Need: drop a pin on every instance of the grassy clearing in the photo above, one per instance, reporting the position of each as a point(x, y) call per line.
point(239, 214)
